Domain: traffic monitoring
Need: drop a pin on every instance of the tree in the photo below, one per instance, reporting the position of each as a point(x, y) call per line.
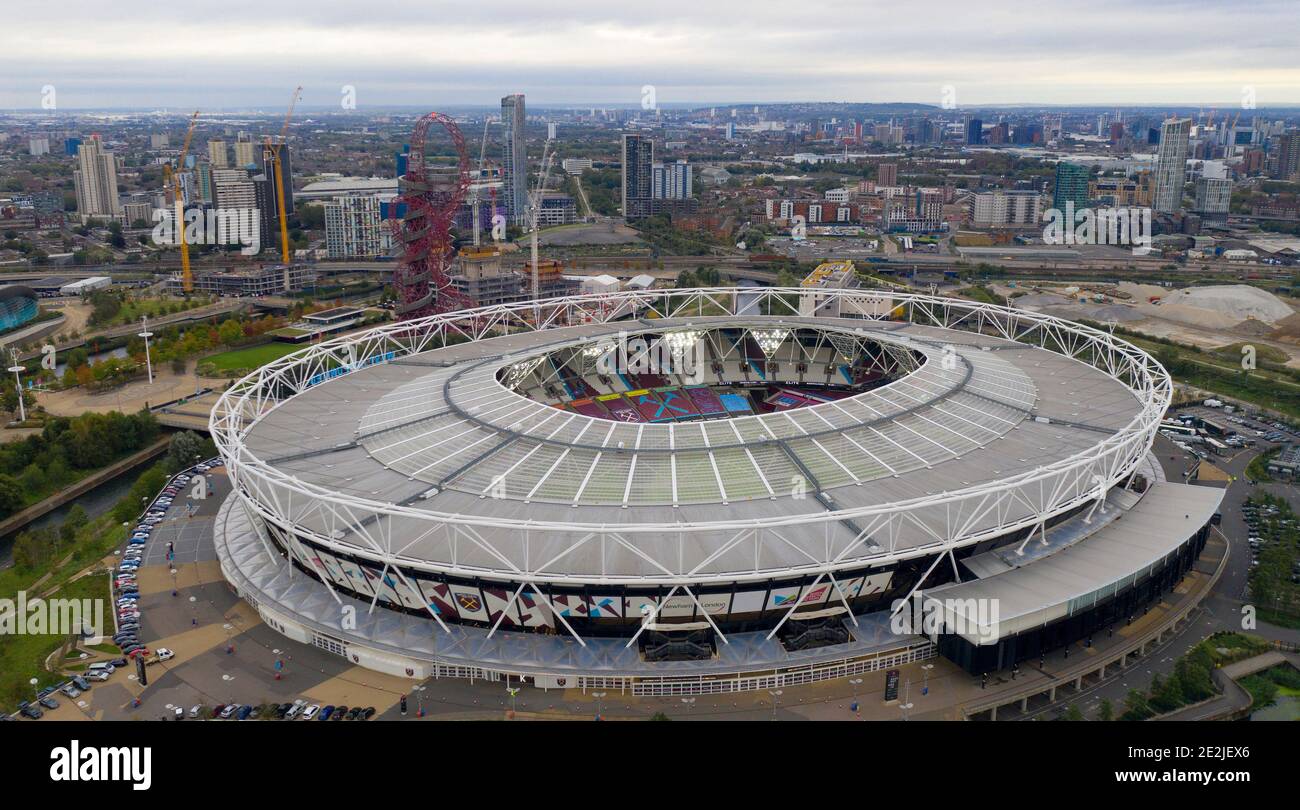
point(230, 332)
point(75, 520)
point(11, 496)
point(184, 449)
point(31, 549)
point(1072, 713)
point(1107, 711)
point(1136, 706)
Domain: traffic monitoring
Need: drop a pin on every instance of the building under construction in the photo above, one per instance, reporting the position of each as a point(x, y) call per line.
point(481, 275)
point(250, 282)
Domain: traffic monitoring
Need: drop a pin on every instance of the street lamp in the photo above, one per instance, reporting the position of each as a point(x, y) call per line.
point(17, 369)
point(146, 334)
point(856, 683)
point(599, 705)
point(907, 693)
point(925, 683)
point(690, 703)
point(775, 693)
point(513, 690)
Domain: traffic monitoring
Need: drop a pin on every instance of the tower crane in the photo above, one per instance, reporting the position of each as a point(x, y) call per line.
point(535, 208)
point(280, 180)
point(474, 191)
point(169, 182)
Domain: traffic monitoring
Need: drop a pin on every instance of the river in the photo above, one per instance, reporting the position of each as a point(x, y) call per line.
point(96, 502)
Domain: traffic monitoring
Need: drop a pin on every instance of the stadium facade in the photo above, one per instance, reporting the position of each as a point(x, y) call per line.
point(704, 490)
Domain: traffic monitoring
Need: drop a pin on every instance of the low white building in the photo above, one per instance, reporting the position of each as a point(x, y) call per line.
point(599, 284)
point(86, 286)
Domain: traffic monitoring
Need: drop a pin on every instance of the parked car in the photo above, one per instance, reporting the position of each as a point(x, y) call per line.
point(367, 712)
point(310, 712)
point(165, 654)
point(217, 710)
point(339, 712)
point(80, 683)
point(48, 702)
point(100, 675)
point(30, 710)
point(244, 712)
point(325, 713)
point(71, 691)
point(229, 711)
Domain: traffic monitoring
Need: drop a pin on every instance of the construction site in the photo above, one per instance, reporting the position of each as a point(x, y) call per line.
point(1209, 317)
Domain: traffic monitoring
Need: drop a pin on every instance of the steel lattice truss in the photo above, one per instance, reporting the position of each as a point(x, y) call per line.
point(670, 552)
point(431, 204)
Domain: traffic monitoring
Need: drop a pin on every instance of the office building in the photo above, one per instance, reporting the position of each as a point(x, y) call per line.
point(975, 132)
point(1109, 192)
point(218, 155)
point(671, 181)
point(1171, 164)
point(638, 160)
point(1288, 156)
point(575, 165)
point(1071, 186)
point(1006, 209)
point(887, 174)
point(233, 190)
point(285, 174)
point(245, 151)
point(38, 146)
point(1213, 196)
point(355, 228)
point(514, 159)
point(95, 180)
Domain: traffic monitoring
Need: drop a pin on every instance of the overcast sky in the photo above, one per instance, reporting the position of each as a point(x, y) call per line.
point(246, 53)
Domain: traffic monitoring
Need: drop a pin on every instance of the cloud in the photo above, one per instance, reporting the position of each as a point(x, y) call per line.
point(243, 53)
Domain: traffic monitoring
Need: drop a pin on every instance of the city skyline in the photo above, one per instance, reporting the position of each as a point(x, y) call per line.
point(690, 55)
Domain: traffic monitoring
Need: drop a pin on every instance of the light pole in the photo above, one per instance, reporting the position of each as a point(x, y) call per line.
point(925, 683)
point(599, 705)
point(907, 694)
point(513, 690)
point(775, 693)
point(690, 703)
point(856, 683)
point(146, 334)
point(17, 369)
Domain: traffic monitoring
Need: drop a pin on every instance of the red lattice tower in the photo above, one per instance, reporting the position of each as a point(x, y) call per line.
point(432, 201)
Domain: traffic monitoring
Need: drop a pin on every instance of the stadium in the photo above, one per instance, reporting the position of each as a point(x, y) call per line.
point(681, 491)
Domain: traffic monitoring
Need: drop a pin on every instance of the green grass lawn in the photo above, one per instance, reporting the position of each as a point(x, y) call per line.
point(251, 357)
point(22, 657)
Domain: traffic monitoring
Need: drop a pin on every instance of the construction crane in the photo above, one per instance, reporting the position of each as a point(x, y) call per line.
point(474, 190)
point(169, 183)
point(535, 209)
point(280, 180)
